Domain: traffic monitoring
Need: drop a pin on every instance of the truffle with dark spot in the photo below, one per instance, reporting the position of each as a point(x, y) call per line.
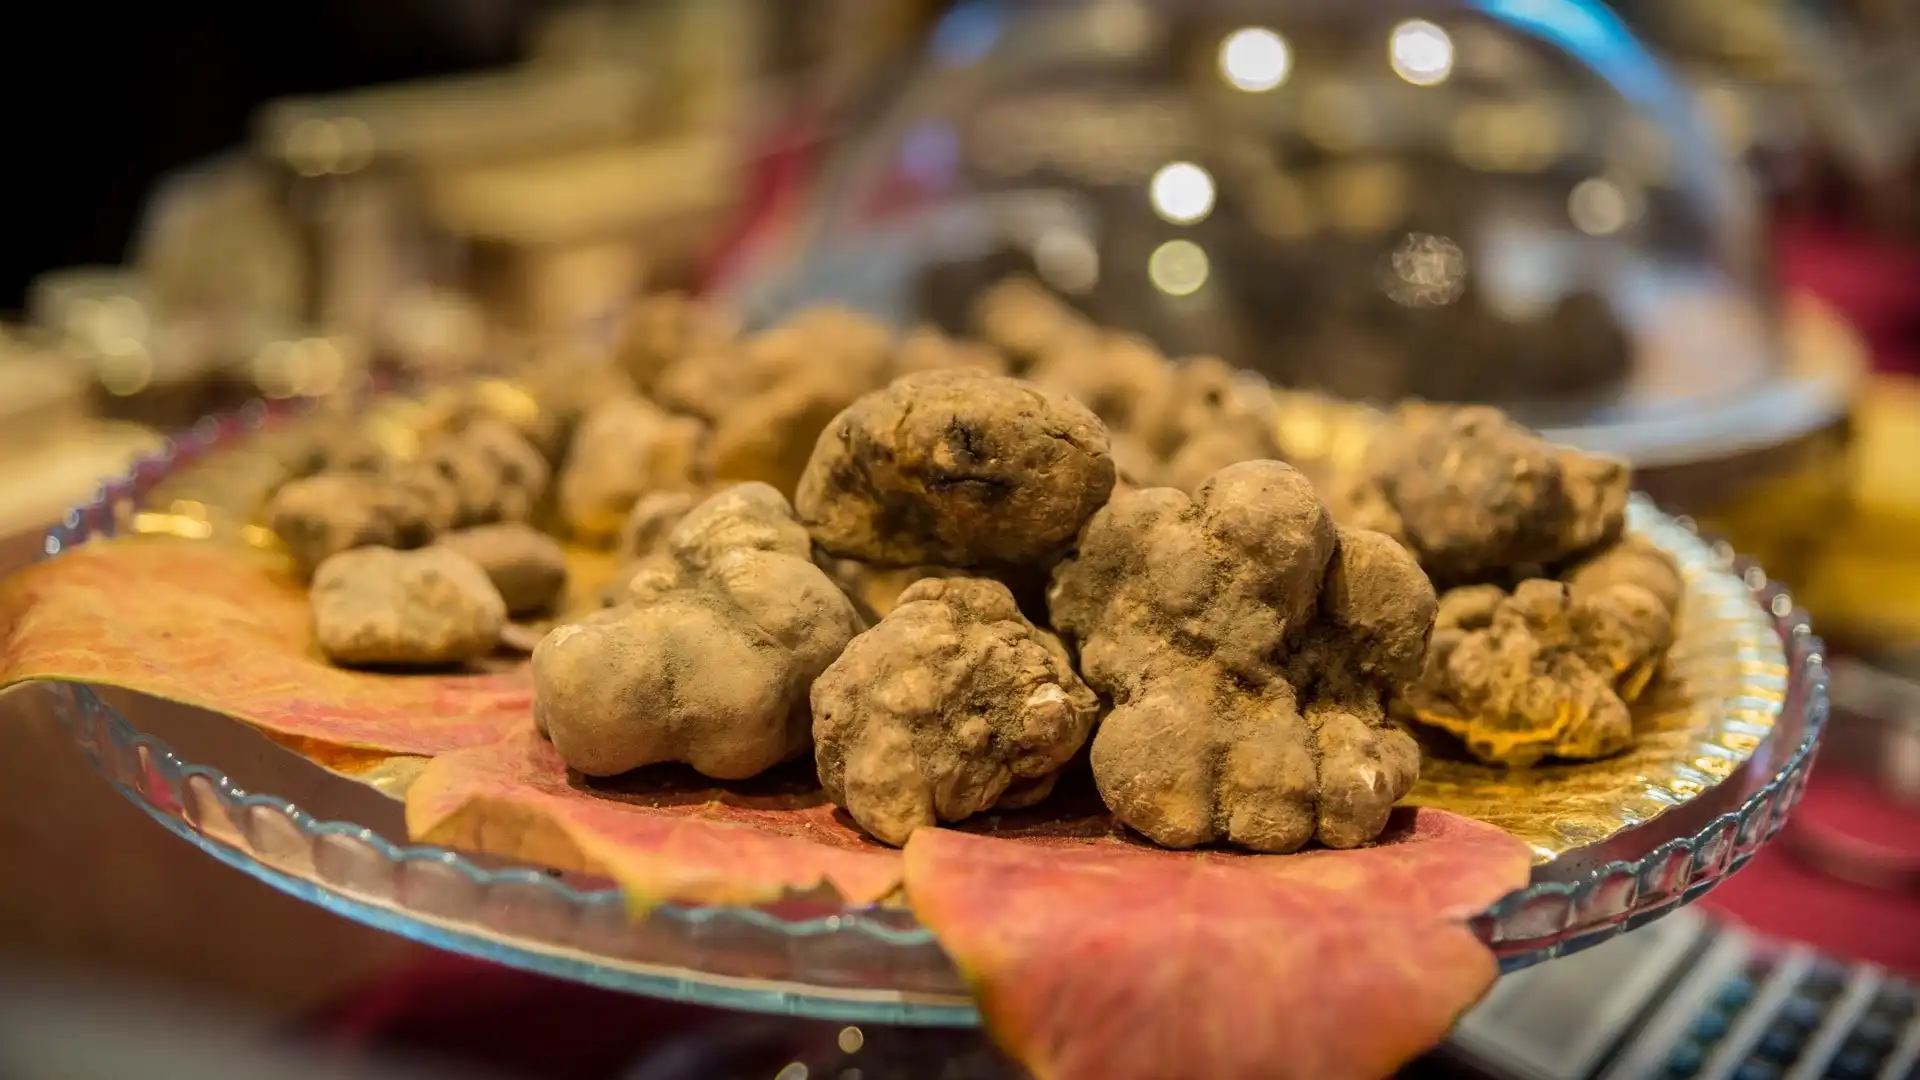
point(956, 468)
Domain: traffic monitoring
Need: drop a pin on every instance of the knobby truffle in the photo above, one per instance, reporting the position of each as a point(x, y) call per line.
point(711, 661)
point(954, 704)
point(1478, 498)
point(1541, 671)
point(1248, 645)
point(956, 468)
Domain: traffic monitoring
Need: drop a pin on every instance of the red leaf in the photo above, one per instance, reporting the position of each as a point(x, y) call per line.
point(228, 629)
point(661, 833)
point(1105, 958)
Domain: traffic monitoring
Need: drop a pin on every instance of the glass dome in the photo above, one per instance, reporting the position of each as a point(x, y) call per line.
point(1490, 200)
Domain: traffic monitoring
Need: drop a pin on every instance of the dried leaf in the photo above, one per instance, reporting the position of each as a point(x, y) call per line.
point(1100, 957)
point(662, 833)
point(227, 629)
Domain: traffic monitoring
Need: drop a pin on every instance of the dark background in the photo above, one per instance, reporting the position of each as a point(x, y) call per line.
point(106, 98)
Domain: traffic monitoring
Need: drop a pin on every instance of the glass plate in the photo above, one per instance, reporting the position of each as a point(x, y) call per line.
point(856, 965)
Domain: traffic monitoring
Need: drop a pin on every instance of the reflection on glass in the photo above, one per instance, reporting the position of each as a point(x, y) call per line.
point(1255, 59)
point(1421, 52)
point(1182, 192)
point(1178, 267)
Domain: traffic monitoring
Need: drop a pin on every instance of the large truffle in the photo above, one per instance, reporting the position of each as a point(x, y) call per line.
point(711, 661)
point(1541, 671)
point(1479, 498)
point(954, 704)
point(624, 449)
point(1248, 645)
point(956, 468)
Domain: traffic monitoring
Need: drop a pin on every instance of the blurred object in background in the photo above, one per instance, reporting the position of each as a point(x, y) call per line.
point(1822, 99)
point(1507, 204)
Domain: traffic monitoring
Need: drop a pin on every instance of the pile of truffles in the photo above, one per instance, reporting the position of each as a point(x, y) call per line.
point(1551, 620)
point(947, 570)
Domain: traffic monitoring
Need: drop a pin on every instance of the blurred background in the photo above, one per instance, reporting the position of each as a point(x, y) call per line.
point(1686, 231)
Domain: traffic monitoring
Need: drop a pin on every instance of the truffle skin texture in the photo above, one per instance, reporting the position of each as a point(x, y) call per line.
point(1478, 498)
point(1540, 672)
point(377, 607)
point(1248, 646)
point(321, 516)
point(711, 662)
point(483, 473)
point(956, 468)
point(952, 705)
point(526, 565)
point(623, 450)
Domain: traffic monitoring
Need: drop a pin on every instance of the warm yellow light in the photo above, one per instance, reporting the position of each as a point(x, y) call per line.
point(1178, 267)
point(1182, 192)
point(1421, 53)
point(1254, 59)
point(851, 1040)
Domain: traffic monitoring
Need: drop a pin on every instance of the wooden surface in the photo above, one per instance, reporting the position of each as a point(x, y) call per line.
point(90, 885)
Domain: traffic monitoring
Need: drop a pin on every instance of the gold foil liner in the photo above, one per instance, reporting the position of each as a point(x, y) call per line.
point(1712, 705)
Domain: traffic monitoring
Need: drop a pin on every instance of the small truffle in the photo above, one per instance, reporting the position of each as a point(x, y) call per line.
point(1248, 646)
point(1540, 671)
point(1025, 322)
point(711, 662)
point(956, 468)
point(1479, 498)
point(928, 349)
point(376, 607)
point(321, 516)
point(666, 328)
point(623, 450)
point(769, 396)
point(1122, 378)
point(524, 564)
point(954, 704)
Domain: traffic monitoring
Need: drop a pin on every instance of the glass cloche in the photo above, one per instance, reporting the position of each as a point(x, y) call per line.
point(1507, 201)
